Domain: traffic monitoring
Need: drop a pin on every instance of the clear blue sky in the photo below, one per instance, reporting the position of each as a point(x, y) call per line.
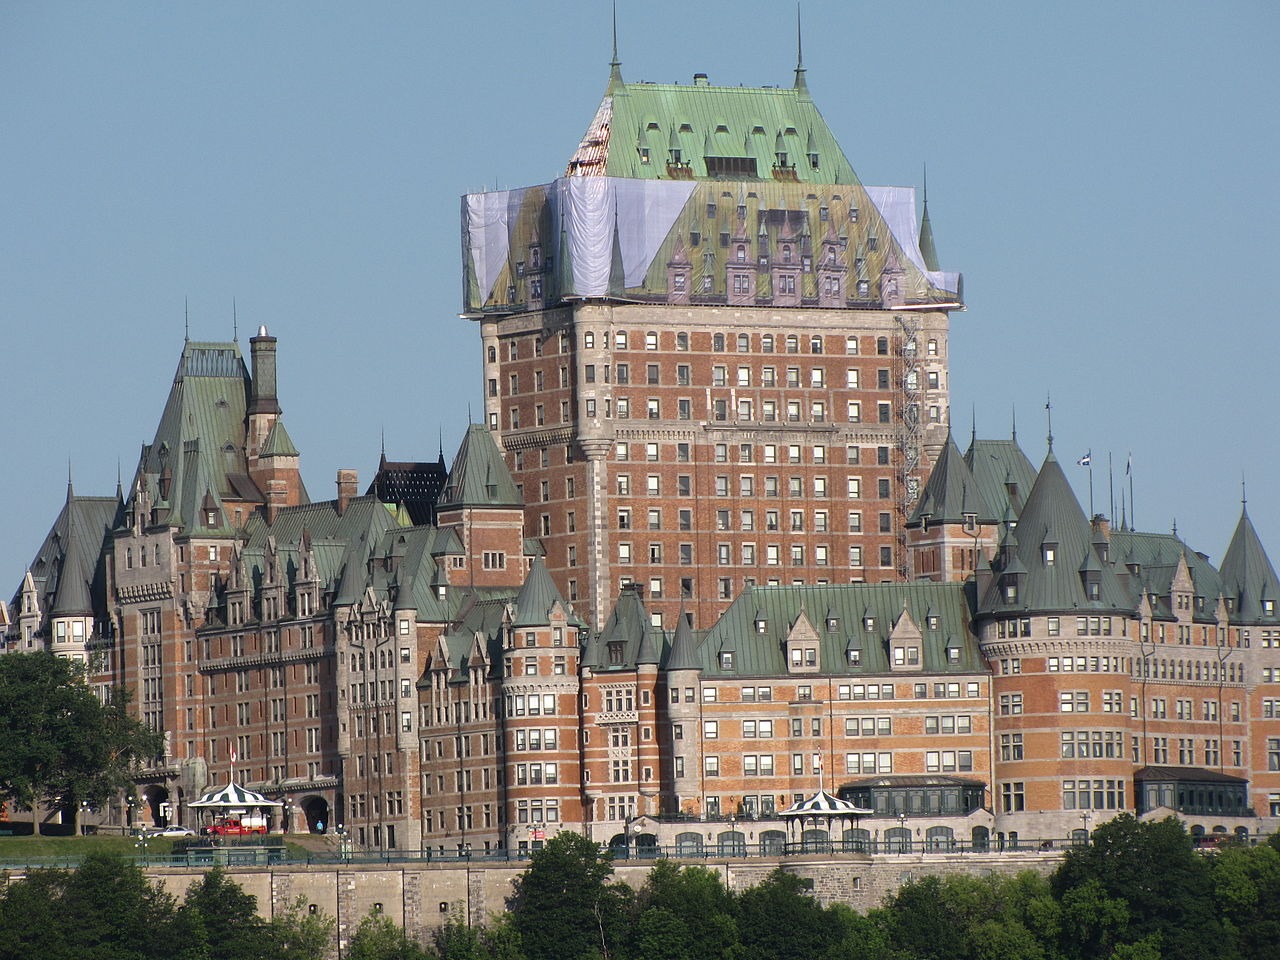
point(1104, 175)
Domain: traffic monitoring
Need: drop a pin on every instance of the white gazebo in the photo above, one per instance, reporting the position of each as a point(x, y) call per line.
point(233, 798)
point(820, 812)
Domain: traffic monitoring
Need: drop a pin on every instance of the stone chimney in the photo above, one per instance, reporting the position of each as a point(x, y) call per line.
point(347, 480)
point(277, 497)
point(262, 391)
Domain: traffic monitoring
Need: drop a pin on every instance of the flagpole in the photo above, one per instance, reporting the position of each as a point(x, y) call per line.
point(1091, 513)
point(1111, 487)
point(1129, 470)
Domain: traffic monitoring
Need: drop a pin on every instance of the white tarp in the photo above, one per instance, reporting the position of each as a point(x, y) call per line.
point(898, 207)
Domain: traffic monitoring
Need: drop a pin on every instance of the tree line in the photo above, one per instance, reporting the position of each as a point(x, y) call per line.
point(1136, 891)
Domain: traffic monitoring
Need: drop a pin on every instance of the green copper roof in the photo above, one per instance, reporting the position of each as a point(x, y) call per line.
point(537, 597)
point(952, 492)
point(1248, 576)
point(927, 249)
point(197, 458)
point(855, 616)
point(278, 442)
point(69, 571)
point(1053, 556)
point(479, 477)
point(995, 465)
point(671, 131)
point(684, 648)
point(1150, 562)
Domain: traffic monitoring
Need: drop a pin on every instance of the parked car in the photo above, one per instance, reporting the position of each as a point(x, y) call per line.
point(171, 831)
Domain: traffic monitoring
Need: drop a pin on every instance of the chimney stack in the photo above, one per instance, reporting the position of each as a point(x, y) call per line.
point(347, 480)
point(262, 391)
point(277, 497)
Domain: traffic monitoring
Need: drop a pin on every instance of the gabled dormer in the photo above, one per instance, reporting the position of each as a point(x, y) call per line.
point(802, 646)
point(906, 644)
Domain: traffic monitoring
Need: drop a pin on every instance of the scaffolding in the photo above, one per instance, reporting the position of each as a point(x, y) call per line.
point(906, 354)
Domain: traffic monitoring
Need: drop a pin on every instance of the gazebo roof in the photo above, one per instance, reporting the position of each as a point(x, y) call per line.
point(823, 804)
point(234, 796)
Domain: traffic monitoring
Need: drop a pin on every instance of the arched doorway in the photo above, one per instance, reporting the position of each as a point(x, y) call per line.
point(773, 843)
point(647, 846)
point(316, 810)
point(155, 810)
point(815, 841)
point(980, 837)
point(939, 838)
point(732, 843)
point(898, 839)
point(857, 840)
point(689, 844)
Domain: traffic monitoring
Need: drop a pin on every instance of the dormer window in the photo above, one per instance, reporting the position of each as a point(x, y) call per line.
point(761, 624)
point(1050, 554)
point(854, 655)
point(726, 660)
point(932, 622)
point(833, 624)
point(1010, 590)
point(813, 162)
point(1268, 608)
point(869, 624)
point(211, 518)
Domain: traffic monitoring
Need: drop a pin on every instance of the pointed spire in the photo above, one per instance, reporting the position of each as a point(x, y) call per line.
point(615, 65)
point(1013, 419)
point(119, 483)
point(186, 321)
point(927, 249)
point(235, 322)
point(800, 81)
point(1048, 413)
point(684, 649)
point(70, 491)
point(973, 425)
point(537, 596)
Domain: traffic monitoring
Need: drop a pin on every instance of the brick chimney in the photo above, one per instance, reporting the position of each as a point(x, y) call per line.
point(277, 497)
point(347, 480)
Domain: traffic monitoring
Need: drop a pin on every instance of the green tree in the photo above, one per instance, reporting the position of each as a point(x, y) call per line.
point(564, 906)
point(694, 903)
point(1246, 884)
point(298, 934)
point(104, 910)
point(378, 937)
point(1164, 883)
point(780, 920)
point(223, 919)
point(58, 742)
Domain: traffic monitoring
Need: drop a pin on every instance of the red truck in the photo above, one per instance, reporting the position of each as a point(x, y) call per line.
point(241, 826)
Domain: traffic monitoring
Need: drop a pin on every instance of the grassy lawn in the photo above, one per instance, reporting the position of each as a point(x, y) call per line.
point(67, 850)
point(31, 847)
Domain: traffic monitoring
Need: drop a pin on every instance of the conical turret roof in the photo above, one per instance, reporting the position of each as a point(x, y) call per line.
point(1248, 576)
point(479, 477)
point(1054, 543)
point(684, 648)
point(537, 597)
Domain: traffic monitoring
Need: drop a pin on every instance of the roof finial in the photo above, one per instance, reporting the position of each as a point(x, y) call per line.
point(235, 322)
point(70, 492)
point(186, 321)
point(800, 84)
point(973, 425)
point(1175, 526)
point(440, 431)
point(1013, 417)
point(615, 65)
point(383, 437)
point(1048, 413)
point(924, 183)
point(1244, 493)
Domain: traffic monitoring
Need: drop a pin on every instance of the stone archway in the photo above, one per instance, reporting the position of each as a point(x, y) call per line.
point(316, 812)
point(155, 811)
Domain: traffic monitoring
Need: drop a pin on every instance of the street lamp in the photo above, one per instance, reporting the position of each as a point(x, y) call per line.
point(903, 836)
point(1084, 819)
